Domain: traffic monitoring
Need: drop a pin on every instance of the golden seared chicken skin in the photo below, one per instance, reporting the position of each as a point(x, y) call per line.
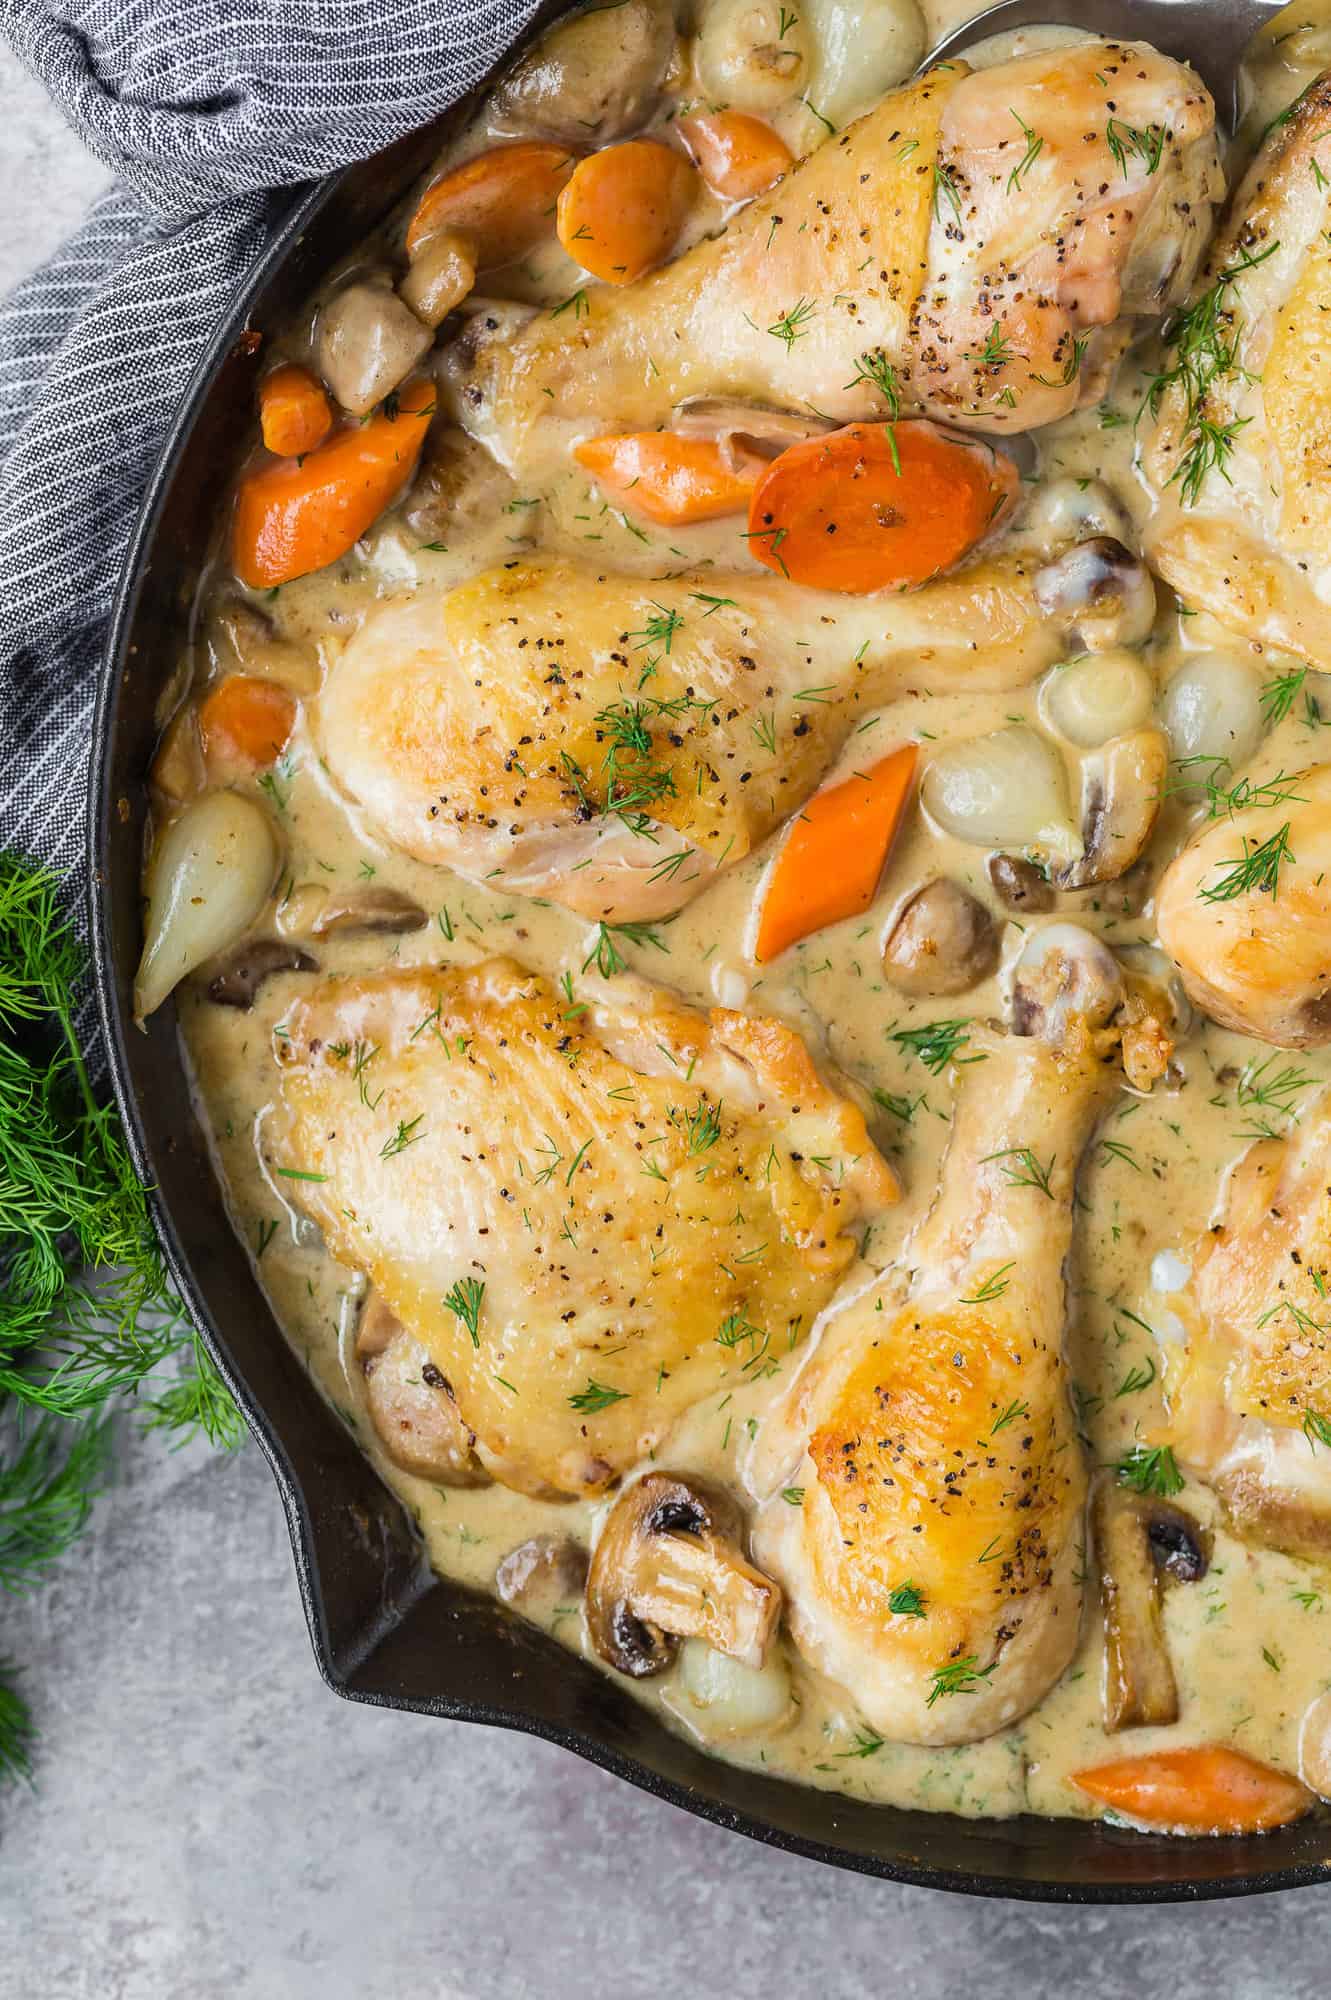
point(971, 242)
point(587, 1219)
point(1239, 458)
point(934, 1564)
point(1244, 911)
point(611, 742)
point(1250, 1391)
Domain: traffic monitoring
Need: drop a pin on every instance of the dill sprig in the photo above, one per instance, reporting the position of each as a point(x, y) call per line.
point(1254, 872)
point(87, 1312)
point(1205, 341)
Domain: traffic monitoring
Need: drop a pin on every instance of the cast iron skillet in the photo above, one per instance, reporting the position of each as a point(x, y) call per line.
point(385, 1629)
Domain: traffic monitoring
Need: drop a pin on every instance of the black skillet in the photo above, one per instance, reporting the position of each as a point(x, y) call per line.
point(385, 1629)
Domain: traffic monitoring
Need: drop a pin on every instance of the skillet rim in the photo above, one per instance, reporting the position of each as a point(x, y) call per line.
point(894, 1860)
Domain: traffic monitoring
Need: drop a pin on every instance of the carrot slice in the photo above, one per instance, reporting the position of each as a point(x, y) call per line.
point(1207, 1790)
point(738, 156)
point(502, 200)
point(834, 853)
point(244, 720)
point(877, 506)
point(294, 411)
point(293, 517)
point(622, 209)
point(669, 478)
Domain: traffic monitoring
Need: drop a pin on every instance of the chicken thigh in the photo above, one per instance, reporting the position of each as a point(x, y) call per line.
point(1244, 911)
point(975, 236)
point(588, 1219)
point(611, 741)
point(934, 1561)
point(1240, 456)
point(1250, 1392)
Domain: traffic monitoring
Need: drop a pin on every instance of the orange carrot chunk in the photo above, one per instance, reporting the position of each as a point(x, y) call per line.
point(622, 209)
point(293, 517)
point(671, 479)
point(833, 855)
point(877, 506)
point(1208, 1790)
point(738, 156)
point(244, 720)
point(502, 200)
point(294, 412)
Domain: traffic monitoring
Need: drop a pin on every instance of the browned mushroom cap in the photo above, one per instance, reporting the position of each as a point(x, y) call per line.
point(1123, 786)
point(1099, 592)
point(542, 1572)
point(944, 941)
point(383, 910)
point(1140, 1540)
point(238, 983)
point(757, 427)
point(411, 1404)
point(1021, 884)
point(668, 1567)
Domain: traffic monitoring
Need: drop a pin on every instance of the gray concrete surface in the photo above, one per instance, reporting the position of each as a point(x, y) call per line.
point(209, 1823)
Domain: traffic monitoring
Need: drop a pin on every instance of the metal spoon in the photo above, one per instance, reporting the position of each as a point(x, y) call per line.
point(1210, 34)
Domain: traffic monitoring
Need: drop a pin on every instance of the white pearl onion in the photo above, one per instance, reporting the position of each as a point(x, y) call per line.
point(718, 1697)
point(1104, 695)
point(1212, 709)
point(210, 876)
point(1009, 789)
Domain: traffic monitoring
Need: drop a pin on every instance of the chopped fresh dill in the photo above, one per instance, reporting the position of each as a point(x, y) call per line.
point(1146, 145)
point(597, 1396)
point(1024, 1169)
point(792, 323)
point(993, 1287)
point(1278, 695)
point(907, 1601)
point(464, 1301)
point(1204, 339)
point(1150, 1468)
point(958, 1677)
point(1034, 148)
point(605, 954)
point(936, 1045)
point(1254, 872)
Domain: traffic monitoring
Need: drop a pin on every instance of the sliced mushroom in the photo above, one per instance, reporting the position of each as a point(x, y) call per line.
point(241, 638)
point(441, 276)
point(944, 941)
point(593, 77)
point(459, 486)
point(1021, 884)
point(1139, 1540)
point(238, 983)
point(369, 341)
point(1123, 787)
point(753, 427)
point(383, 910)
point(411, 1404)
point(1100, 592)
point(667, 1567)
point(541, 1573)
point(178, 771)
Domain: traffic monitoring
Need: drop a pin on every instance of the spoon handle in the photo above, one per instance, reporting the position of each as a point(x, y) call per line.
point(1212, 38)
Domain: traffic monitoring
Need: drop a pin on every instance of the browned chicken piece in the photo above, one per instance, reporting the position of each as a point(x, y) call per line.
point(934, 1563)
point(972, 242)
point(587, 1221)
point(1245, 913)
point(1240, 458)
point(1250, 1392)
point(611, 741)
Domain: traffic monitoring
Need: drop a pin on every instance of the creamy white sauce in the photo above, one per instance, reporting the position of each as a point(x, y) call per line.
point(1248, 1654)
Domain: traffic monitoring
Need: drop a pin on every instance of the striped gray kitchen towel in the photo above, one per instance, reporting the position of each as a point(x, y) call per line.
point(205, 110)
